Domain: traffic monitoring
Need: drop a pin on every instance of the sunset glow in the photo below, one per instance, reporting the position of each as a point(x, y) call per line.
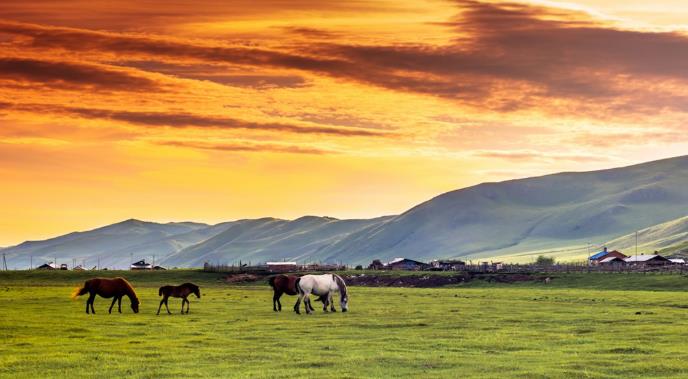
point(213, 111)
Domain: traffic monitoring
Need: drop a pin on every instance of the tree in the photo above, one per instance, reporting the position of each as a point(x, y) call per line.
point(544, 261)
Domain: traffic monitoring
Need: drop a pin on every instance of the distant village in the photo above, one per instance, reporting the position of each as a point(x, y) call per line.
point(604, 260)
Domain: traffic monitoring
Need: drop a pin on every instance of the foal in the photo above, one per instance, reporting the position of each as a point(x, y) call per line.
point(182, 291)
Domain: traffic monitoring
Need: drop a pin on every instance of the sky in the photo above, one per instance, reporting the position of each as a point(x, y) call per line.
point(214, 111)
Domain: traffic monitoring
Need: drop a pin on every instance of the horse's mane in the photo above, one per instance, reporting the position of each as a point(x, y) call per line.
point(130, 289)
point(340, 283)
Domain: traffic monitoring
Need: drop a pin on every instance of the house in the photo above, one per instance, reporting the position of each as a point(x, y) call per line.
point(141, 265)
point(376, 265)
point(599, 257)
point(79, 268)
point(677, 261)
point(47, 266)
point(405, 264)
point(159, 268)
point(647, 260)
point(612, 261)
point(448, 265)
point(281, 266)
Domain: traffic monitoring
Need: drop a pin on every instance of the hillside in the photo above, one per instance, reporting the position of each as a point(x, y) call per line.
point(559, 212)
point(668, 237)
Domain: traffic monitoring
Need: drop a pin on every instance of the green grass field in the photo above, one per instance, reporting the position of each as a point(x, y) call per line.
point(579, 326)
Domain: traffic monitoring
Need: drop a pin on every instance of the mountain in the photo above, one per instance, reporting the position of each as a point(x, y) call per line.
point(558, 214)
point(494, 219)
point(114, 244)
point(303, 239)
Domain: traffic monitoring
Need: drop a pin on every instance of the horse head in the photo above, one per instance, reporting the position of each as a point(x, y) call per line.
point(197, 291)
point(135, 305)
point(344, 302)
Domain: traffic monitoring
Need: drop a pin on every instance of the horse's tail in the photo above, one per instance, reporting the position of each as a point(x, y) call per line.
point(271, 281)
point(78, 291)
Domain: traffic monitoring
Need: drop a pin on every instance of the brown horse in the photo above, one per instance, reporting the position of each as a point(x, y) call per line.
point(108, 288)
point(182, 291)
point(282, 284)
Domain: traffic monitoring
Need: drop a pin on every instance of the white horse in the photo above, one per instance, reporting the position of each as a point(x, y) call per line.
point(321, 285)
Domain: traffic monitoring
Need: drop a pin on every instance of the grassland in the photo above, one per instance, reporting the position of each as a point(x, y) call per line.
point(593, 325)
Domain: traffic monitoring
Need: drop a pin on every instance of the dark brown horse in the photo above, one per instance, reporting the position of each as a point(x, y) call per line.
point(182, 291)
point(282, 284)
point(108, 288)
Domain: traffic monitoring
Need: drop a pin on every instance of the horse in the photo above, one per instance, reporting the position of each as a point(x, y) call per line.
point(108, 288)
point(182, 291)
point(324, 286)
point(282, 284)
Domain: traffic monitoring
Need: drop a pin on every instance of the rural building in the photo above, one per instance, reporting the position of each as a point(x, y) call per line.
point(604, 254)
point(376, 265)
point(677, 261)
point(647, 260)
point(159, 268)
point(52, 266)
point(612, 261)
point(79, 268)
point(405, 264)
point(281, 266)
point(448, 265)
point(47, 266)
point(141, 265)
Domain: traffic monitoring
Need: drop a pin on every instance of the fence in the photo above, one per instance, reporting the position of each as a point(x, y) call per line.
point(576, 268)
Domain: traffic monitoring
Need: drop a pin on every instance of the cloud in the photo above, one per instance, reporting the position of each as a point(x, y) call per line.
point(244, 147)
point(70, 75)
point(188, 120)
point(504, 57)
point(529, 155)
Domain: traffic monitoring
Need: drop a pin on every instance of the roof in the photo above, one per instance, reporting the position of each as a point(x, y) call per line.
point(280, 263)
point(611, 259)
point(142, 262)
point(644, 258)
point(677, 260)
point(398, 260)
point(599, 255)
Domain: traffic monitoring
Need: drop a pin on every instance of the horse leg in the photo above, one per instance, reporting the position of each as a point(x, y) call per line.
point(310, 305)
point(91, 299)
point(119, 304)
point(114, 299)
point(188, 305)
point(307, 302)
point(160, 306)
point(330, 299)
point(275, 298)
point(298, 304)
point(325, 301)
point(167, 299)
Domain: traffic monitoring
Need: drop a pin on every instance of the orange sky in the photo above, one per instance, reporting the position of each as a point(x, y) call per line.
point(213, 111)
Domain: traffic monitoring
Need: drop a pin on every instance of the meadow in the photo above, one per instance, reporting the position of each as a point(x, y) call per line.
point(587, 325)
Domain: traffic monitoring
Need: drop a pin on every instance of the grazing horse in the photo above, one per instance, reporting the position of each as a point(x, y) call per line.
point(321, 285)
point(108, 288)
point(182, 291)
point(282, 284)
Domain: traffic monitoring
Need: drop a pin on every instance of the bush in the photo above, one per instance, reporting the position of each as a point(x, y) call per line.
point(544, 261)
point(359, 267)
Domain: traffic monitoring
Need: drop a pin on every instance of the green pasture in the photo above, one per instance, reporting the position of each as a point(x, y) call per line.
point(586, 325)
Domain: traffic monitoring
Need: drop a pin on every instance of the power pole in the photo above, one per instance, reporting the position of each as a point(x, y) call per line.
point(99, 262)
point(636, 243)
point(30, 262)
point(4, 261)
